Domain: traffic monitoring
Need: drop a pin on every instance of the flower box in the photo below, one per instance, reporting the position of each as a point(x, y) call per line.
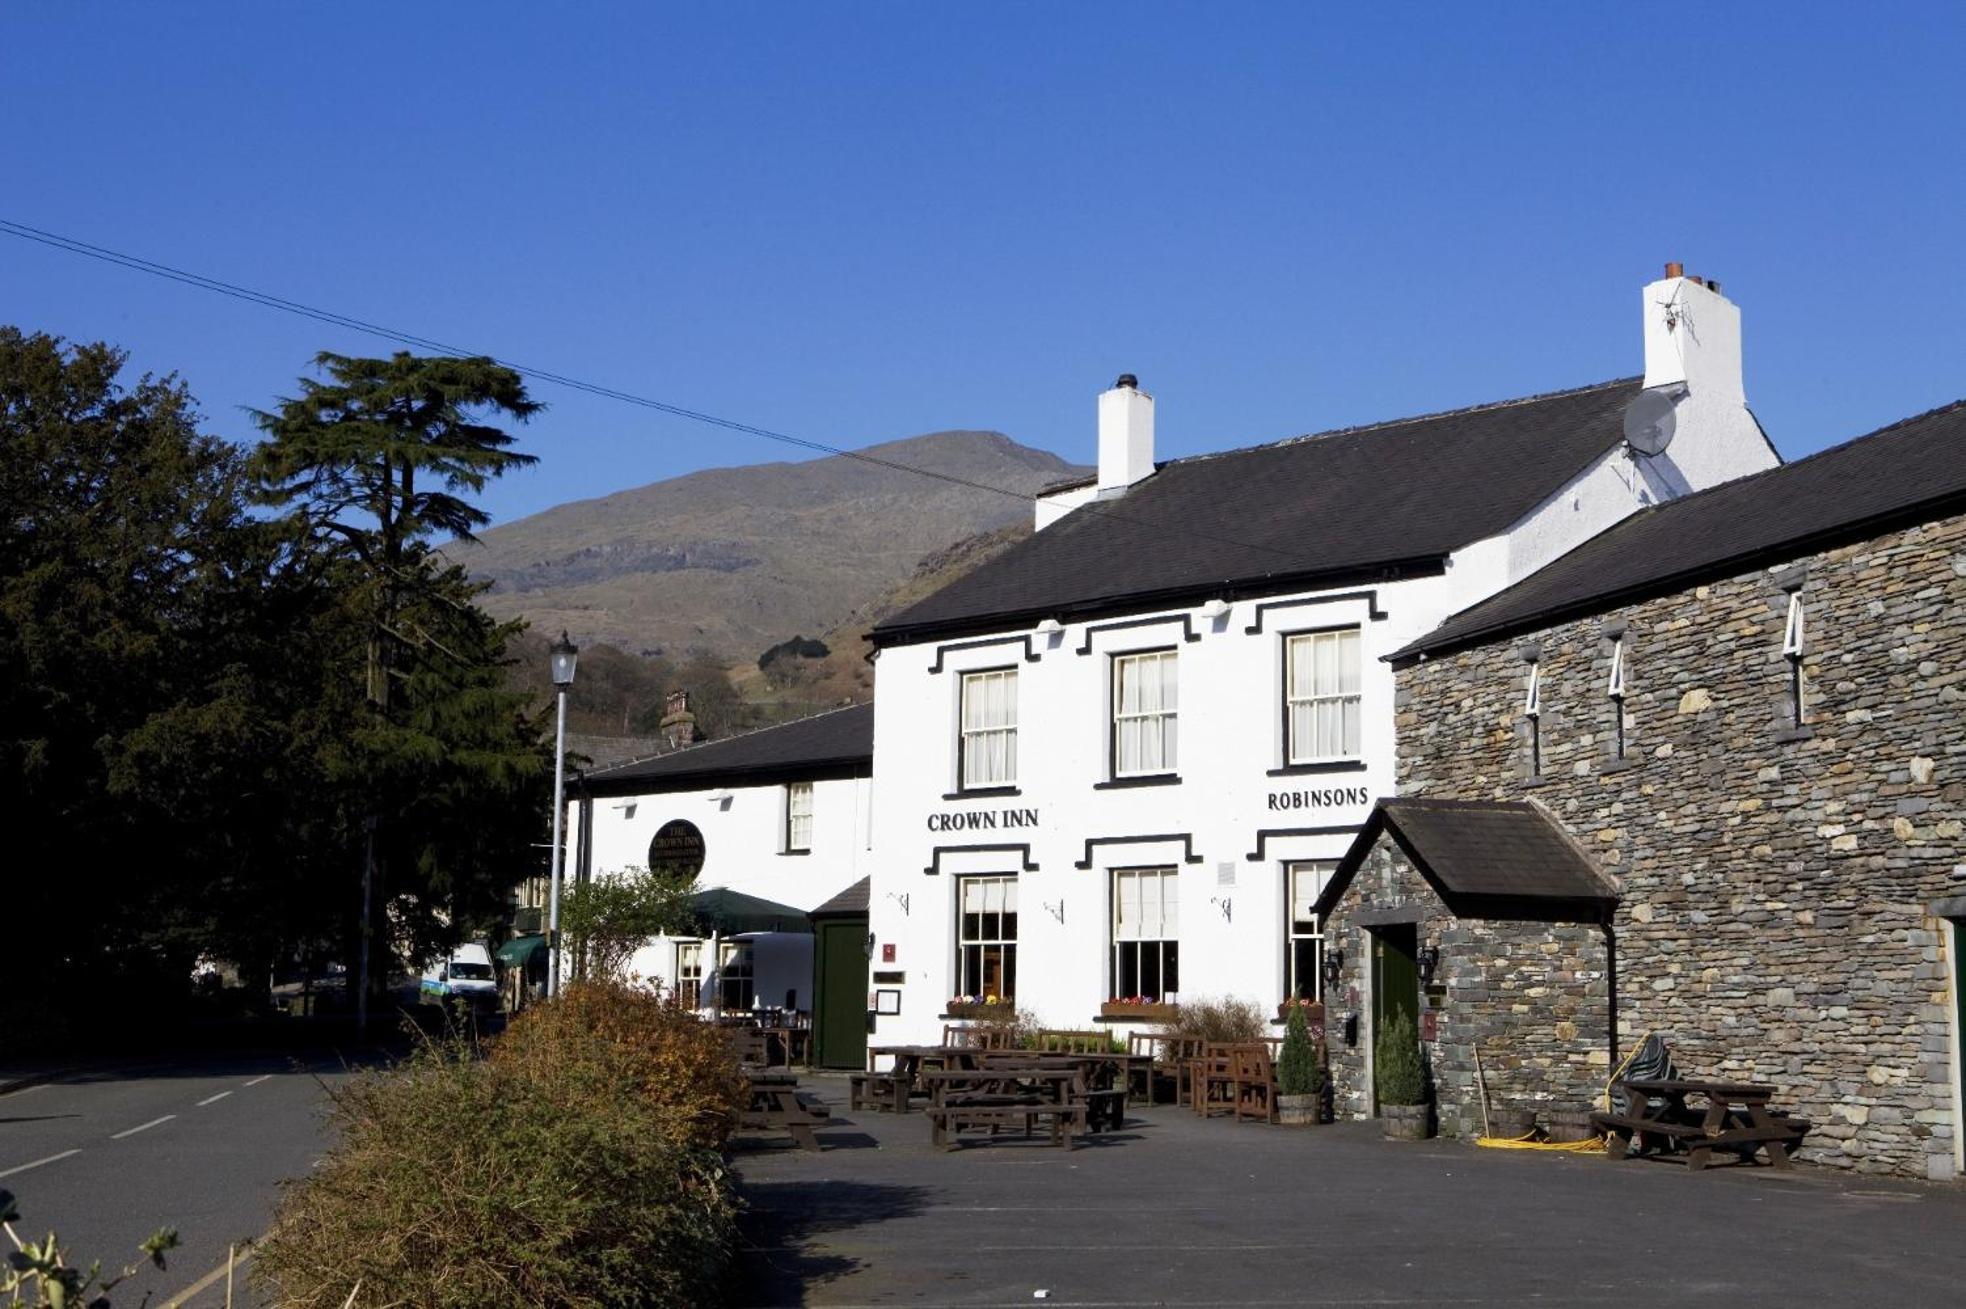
point(1313, 1013)
point(1139, 1011)
point(981, 1009)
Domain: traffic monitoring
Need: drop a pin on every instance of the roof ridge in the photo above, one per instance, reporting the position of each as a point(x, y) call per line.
point(1360, 429)
point(726, 740)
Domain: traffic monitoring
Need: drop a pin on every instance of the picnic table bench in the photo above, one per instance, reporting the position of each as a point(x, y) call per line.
point(776, 1105)
point(1734, 1117)
point(1005, 1095)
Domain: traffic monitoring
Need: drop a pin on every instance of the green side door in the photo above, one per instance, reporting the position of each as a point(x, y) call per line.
point(1395, 979)
point(840, 993)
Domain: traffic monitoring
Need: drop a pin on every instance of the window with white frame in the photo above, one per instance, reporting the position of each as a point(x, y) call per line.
point(734, 976)
point(734, 984)
point(1532, 713)
point(689, 974)
point(1145, 702)
point(1321, 690)
point(1615, 692)
point(986, 937)
point(1146, 934)
point(1304, 931)
point(988, 752)
point(1792, 650)
point(798, 817)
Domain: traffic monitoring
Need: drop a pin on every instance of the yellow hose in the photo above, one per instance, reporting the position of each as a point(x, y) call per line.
point(1529, 1142)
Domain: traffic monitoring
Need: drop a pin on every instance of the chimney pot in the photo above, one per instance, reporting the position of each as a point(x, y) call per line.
point(1675, 269)
point(1129, 381)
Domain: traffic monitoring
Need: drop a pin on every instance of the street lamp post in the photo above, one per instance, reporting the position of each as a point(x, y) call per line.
point(563, 655)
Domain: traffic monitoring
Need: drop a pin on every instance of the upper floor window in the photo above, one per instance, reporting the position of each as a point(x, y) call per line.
point(1321, 690)
point(1144, 705)
point(798, 816)
point(1792, 650)
point(988, 755)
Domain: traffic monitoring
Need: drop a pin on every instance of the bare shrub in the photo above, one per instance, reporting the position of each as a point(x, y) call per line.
point(1223, 1018)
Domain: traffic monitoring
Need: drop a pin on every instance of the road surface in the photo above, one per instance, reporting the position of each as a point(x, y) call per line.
point(201, 1143)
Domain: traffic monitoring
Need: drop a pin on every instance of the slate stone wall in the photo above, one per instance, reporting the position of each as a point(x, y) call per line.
point(1533, 997)
point(1777, 920)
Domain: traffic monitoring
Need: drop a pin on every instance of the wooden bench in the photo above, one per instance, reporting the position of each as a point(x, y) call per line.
point(949, 1120)
point(1736, 1119)
point(776, 1105)
point(1105, 1111)
point(887, 1092)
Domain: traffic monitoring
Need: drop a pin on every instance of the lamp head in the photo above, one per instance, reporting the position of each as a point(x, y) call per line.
point(562, 656)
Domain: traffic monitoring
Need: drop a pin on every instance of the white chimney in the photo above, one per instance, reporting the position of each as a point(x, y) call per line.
point(1693, 337)
point(1126, 435)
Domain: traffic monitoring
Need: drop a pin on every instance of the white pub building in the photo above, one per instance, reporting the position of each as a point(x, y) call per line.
point(1115, 765)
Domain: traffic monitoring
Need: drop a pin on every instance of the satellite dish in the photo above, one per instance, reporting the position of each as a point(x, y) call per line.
point(1650, 418)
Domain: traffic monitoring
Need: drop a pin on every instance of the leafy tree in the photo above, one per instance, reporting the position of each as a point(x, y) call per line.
point(368, 465)
point(607, 919)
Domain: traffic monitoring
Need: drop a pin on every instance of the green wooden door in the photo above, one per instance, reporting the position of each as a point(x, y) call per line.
point(1395, 979)
point(840, 994)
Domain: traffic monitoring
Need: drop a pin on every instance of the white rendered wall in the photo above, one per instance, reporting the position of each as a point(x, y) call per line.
point(742, 843)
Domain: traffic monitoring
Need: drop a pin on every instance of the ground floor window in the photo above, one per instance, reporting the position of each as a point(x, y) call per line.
point(986, 937)
point(1303, 932)
point(1146, 931)
point(734, 978)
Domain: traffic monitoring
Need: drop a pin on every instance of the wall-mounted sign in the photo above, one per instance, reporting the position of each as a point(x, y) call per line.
point(1330, 797)
point(887, 1002)
point(983, 820)
point(677, 850)
point(887, 952)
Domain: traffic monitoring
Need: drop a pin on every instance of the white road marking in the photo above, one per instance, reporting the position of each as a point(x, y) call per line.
point(21, 1168)
point(257, 1080)
point(213, 1099)
point(185, 1296)
point(141, 1127)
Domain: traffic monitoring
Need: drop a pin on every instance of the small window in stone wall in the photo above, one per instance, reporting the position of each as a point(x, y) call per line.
point(1615, 692)
point(1532, 713)
point(1792, 652)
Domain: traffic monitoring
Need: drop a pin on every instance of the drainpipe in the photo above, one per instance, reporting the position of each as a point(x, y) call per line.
point(1611, 984)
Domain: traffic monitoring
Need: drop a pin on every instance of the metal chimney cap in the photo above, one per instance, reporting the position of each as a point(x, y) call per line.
point(1127, 380)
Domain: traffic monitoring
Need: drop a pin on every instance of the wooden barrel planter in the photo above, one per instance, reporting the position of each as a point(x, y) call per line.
point(1511, 1124)
point(1406, 1122)
point(1300, 1110)
point(1568, 1125)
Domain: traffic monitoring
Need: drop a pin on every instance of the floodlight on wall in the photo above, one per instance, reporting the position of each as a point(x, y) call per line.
point(1214, 609)
point(1050, 627)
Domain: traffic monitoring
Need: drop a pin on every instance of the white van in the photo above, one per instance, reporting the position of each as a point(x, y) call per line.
point(467, 975)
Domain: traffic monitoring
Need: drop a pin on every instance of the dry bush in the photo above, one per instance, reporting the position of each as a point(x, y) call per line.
point(598, 1036)
point(1227, 1018)
point(457, 1183)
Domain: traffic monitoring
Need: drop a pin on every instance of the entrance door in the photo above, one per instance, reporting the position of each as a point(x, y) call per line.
point(1395, 980)
point(839, 1007)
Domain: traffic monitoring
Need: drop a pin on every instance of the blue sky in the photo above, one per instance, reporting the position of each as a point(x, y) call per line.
point(855, 223)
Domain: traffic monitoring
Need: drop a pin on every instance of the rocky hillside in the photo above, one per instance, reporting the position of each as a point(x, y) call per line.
point(731, 561)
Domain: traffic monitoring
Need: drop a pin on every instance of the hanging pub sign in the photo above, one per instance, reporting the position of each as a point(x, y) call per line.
point(677, 851)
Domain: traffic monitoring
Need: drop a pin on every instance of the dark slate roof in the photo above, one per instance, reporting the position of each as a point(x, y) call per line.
point(856, 899)
point(1911, 471)
point(839, 741)
point(1485, 859)
point(1341, 504)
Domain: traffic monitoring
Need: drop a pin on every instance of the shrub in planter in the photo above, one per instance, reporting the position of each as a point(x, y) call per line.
point(459, 1181)
point(1400, 1080)
point(1300, 1073)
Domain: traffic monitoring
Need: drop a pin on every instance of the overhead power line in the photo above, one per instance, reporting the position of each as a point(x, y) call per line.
point(267, 300)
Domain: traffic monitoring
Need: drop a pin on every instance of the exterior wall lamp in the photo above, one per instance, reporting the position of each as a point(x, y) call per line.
point(1429, 959)
point(1334, 968)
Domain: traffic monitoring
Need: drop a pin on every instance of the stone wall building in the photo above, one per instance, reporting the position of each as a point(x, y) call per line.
point(1749, 706)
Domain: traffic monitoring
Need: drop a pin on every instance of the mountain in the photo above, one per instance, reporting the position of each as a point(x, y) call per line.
point(731, 561)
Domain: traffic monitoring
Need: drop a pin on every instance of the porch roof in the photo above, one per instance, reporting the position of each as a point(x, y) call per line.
point(1485, 859)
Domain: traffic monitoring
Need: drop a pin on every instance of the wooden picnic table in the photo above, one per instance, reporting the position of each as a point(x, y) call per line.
point(794, 1043)
point(1733, 1116)
point(774, 1105)
point(1005, 1094)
